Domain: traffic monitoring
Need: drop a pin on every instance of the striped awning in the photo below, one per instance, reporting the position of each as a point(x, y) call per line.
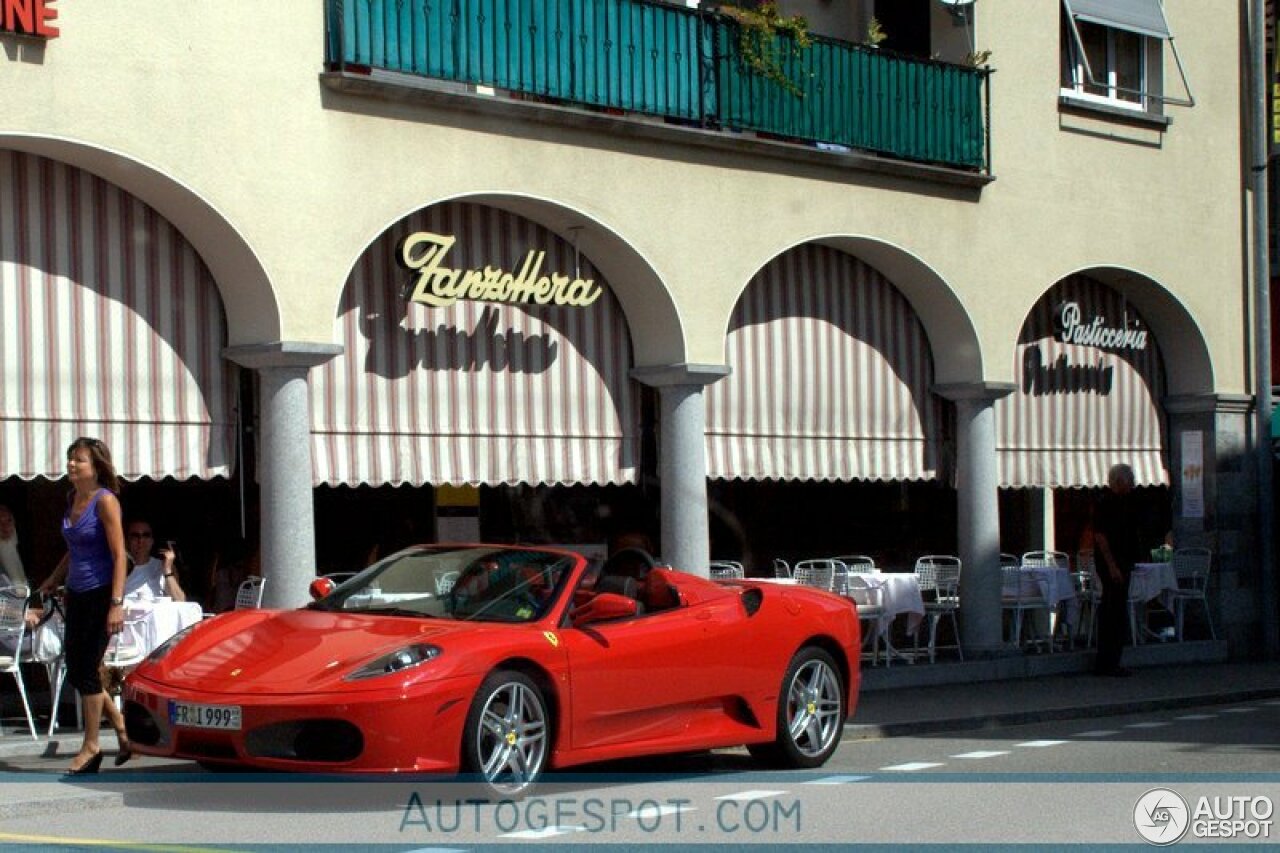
point(1087, 397)
point(476, 392)
point(830, 380)
point(110, 326)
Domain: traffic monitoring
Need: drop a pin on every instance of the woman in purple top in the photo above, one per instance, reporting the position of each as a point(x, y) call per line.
point(93, 569)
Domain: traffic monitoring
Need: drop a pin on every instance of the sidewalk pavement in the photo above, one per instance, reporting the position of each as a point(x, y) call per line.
point(985, 704)
point(29, 781)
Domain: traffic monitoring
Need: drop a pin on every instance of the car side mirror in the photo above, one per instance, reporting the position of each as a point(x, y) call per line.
point(603, 607)
point(320, 587)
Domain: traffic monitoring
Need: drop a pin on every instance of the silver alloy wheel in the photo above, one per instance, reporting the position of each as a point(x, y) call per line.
point(813, 708)
point(511, 739)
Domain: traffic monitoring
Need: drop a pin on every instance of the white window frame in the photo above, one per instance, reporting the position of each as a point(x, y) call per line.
point(1138, 18)
point(1107, 76)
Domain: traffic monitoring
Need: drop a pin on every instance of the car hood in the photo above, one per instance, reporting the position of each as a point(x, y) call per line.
point(302, 651)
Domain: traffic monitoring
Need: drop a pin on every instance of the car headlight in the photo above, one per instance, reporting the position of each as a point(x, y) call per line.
point(167, 646)
point(397, 661)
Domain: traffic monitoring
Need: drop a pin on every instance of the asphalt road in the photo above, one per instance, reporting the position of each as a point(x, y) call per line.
point(1055, 782)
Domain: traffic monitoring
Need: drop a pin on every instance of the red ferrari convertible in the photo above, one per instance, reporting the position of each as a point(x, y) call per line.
point(504, 662)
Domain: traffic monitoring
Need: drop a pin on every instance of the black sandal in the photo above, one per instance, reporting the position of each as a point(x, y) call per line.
point(89, 767)
point(123, 754)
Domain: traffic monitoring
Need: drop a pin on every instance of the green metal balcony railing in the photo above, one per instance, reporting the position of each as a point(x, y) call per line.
point(675, 63)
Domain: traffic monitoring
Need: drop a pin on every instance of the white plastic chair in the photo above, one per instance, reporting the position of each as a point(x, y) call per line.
point(13, 632)
point(869, 602)
point(726, 569)
point(55, 668)
point(1046, 559)
point(781, 568)
point(1051, 560)
point(249, 594)
point(857, 564)
point(816, 573)
point(1088, 592)
point(1191, 566)
point(1023, 595)
point(939, 578)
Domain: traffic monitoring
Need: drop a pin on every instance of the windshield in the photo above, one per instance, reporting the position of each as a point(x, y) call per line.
point(487, 584)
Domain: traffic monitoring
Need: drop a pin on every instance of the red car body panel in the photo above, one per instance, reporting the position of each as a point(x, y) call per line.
point(703, 674)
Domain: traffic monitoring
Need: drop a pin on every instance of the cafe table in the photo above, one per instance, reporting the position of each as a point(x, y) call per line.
point(157, 619)
point(1058, 588)
point(1156, 582)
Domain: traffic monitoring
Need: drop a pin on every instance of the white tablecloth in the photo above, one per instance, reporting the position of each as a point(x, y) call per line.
point(1058, 588)
point(1154, 581)
point(161, 619)
point(900, 593)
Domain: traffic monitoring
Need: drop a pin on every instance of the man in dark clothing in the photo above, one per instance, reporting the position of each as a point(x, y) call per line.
point(1118, 547)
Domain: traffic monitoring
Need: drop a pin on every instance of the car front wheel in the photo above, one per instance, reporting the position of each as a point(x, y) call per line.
point(811, 712)
point(507, 733)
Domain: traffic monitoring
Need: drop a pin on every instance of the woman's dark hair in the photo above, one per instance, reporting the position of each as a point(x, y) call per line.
point(101, 456)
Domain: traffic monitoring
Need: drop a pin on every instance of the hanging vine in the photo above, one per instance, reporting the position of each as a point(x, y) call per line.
point(767, 38)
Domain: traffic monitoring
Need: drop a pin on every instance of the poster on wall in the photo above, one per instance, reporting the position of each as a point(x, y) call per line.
point(1193, 475)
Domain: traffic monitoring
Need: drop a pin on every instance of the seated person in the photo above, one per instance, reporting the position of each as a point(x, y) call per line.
point(149, 577)
point(11, 570)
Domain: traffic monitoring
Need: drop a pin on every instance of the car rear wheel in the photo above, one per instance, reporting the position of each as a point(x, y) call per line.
point(811, 712)
point(506, 738)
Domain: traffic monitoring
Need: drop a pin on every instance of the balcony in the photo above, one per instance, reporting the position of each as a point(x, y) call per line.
point(678, 65)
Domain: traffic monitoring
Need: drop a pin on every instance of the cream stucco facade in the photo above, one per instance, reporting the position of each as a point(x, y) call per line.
point(220, 116)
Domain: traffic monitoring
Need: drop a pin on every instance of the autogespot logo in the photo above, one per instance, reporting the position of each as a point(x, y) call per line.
point(1161, 816)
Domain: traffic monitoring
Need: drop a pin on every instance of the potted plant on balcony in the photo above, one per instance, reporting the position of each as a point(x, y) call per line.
point(766, 38)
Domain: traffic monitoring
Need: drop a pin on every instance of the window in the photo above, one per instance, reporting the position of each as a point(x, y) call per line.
point(1113, 56)
point(1117, 58)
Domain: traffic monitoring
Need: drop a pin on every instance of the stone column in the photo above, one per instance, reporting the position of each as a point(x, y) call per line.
point(284, 464)
point(682, 461)
point(1224, 519)
point(978, 515)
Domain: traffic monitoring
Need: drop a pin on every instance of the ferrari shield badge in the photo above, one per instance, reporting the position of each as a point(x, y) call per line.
point(551, 638)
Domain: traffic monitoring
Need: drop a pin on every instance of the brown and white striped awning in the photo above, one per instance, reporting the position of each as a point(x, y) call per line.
point(1085, 404)
point(110, 326)
point(830, 381)
point(476, 392)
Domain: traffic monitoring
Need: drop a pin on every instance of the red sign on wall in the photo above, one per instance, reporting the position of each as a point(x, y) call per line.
point(29, 18)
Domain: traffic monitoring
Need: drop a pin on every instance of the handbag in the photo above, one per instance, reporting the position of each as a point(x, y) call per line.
point(48, 633)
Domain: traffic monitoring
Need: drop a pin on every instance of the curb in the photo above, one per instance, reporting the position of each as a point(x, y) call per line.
point(877, 731)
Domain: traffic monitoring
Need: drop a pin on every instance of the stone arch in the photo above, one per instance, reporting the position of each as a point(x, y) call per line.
point(857, 400)
point(953, 340)
point(1188, 365)
point(657, 332)
point(249, 300)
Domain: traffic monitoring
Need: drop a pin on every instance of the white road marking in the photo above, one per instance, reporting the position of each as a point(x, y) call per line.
point(1098, 733)
point(1238, 710)
point(914, 765)
point(1153, 724)
point(658, 811)
point(836, 780)
point(545, 832)
point(982, 753)
point(751, 795)
point(1039, 744)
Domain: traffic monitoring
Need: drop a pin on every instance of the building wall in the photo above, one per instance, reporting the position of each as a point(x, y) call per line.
point(216, 115)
